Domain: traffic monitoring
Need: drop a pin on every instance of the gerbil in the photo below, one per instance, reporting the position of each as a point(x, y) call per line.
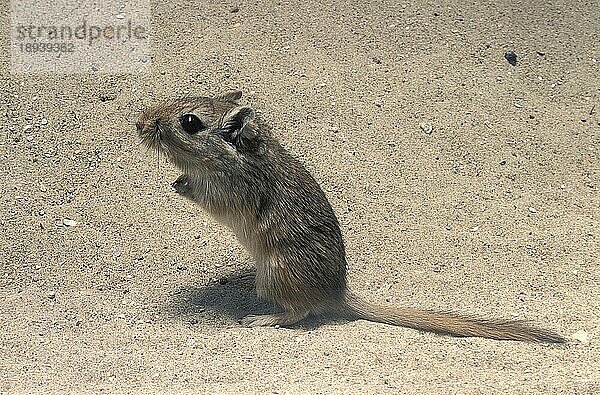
point(244, 178)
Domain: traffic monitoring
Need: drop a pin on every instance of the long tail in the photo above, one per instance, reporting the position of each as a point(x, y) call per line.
point(448, 323)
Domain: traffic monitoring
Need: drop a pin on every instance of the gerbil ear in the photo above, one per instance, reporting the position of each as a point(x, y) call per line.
point(234, 125)
point(232, 96)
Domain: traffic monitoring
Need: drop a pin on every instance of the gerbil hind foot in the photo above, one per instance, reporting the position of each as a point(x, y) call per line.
point(283, 319)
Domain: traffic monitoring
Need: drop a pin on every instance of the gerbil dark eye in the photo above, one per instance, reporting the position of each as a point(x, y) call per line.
point(191, 124)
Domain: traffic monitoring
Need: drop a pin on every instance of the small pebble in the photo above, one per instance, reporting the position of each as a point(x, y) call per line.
point(107, 97)
point(51, 295)
point(581, 336)
point(511, 57)
point(234, 9)
point(27, 127)
point(120, 16)
point(532, 210)
point(475, 229)
point(69, 222)
point(44, 121)
point(503, 162)
point(426, 127)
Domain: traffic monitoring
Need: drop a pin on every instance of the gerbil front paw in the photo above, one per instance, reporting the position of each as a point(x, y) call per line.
point(182, 186)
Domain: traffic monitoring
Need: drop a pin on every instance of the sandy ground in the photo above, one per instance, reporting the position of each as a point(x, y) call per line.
point(495, 212)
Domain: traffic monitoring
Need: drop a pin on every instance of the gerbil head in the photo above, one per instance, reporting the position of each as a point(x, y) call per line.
point(202, 133)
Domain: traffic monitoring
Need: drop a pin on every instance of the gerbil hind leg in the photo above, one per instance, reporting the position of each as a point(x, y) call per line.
point(269, 285)
point(288, 317)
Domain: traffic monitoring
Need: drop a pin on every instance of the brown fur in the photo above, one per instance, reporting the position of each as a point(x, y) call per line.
point(244, 178)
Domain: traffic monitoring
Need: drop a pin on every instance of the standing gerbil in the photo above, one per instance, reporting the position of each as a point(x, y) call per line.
point(245, 179)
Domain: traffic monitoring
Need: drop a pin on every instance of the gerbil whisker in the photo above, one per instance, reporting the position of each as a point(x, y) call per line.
point(157, 163)
point(148, 146)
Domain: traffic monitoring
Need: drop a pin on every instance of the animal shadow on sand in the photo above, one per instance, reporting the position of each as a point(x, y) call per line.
point(226, 301)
